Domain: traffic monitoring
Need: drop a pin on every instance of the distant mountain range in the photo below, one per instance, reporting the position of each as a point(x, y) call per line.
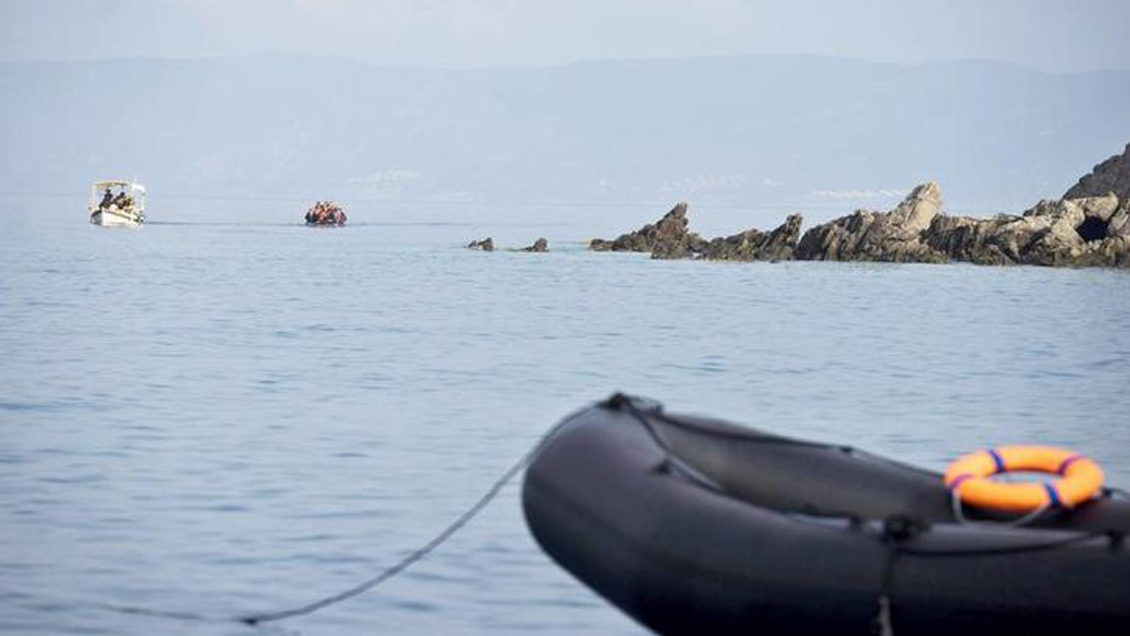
point(798, 132)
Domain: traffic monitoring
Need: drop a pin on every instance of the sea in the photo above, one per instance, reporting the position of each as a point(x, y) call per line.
point(225, 412)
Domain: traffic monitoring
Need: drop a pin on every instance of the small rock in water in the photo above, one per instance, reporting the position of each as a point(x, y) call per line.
point(486, 245)
point(540, 245)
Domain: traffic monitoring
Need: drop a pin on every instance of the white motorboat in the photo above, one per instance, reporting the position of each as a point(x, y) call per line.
point(117, 203)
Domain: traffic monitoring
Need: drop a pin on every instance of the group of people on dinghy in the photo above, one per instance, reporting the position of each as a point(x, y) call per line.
point(325, 213)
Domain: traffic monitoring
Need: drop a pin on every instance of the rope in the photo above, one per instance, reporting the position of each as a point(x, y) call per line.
point(671, 460)
point(1027, 518)
point(388, 573)
point(638, 408)
point(882, 625)
point(406, 562)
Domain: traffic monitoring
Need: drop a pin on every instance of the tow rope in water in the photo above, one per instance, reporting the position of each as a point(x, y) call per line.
point(390, 572)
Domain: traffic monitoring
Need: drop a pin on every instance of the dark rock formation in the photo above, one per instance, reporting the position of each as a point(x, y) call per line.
point(486, 245)
point(1112, 175)
point(668, 237)
point(1084, 232)
point(963, 238)
point(878, 236)
point(688, 246)
point(755, 245)
point(540, 245)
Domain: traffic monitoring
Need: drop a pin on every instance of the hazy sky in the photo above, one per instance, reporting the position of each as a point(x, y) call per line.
point(1056, 35)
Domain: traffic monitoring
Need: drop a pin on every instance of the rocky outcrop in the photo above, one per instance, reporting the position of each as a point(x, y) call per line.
point(1092, 231)
point(1119, 223)
point(1110, 176)
point(668, 237)
point(486, 245)
point(540, 245)
point(1084, 232)
point(878, 236)
point(1089, 227)
point(755, 245)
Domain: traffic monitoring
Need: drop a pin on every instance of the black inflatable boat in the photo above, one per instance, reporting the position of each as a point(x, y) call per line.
point(696, 526)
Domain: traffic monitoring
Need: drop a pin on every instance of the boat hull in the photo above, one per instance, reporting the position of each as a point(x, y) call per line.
point(788, 537)
point(109, 219)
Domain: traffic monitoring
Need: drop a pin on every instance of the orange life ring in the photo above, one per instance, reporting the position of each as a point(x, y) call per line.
point(968, 477)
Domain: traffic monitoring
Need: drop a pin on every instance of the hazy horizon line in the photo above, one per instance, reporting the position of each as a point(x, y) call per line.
point(560, 65)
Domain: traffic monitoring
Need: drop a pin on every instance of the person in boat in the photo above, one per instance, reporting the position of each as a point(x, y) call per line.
point(107, 199)
point(119, 201)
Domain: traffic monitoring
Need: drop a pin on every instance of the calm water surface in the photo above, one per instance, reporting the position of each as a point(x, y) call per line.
point(240, 414)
